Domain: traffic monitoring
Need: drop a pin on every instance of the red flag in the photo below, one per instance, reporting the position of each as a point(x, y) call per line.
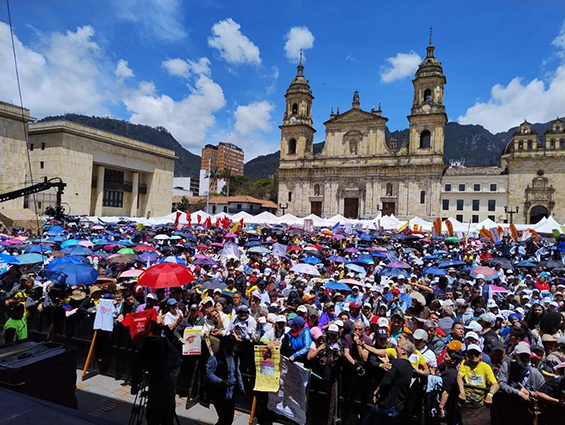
point(188, 218)
point(208, 223)
point(217, 222)
point(177, 220)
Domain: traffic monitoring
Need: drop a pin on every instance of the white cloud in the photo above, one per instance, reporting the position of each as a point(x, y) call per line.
point(400, 66)
point(298, 38)
point(159, 19)
point(184, 68)
point(66, 73)
point(538, 101)
point(123, 70)
point(255, 116)
point(233, 46)
point(188, 120)
point(275, 76)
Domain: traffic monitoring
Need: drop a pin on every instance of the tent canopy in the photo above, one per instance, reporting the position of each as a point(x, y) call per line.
point(21, 217)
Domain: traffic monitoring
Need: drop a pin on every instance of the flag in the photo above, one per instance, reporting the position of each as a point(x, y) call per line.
point(217, 222)
point(335, 227)
point(404, 226)
point(279, 249)
point(534, 234)
point(449, 227)
point(495, 234)
point(177, 218)
point(237, 226)
point(513, 232)
point(486, 233)
point(188, 218)
point(208, 223)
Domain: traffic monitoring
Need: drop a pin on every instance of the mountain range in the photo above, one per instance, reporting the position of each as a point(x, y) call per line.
point(473, 145)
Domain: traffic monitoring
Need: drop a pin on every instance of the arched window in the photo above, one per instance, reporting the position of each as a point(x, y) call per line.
point(316, 190)
point(562, 144)
point(425, 139)
point(389, 189)
point(520, 145)
point(552, 144)
point(422, 197)
point(530, 144)
point(427, 95)
point(295, 108)
point(292, 146)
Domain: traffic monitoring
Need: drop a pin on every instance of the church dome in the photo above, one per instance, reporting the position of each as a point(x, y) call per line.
point(430, 65)
point(299, 84)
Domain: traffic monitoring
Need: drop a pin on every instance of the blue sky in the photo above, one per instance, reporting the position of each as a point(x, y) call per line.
point(213, 71)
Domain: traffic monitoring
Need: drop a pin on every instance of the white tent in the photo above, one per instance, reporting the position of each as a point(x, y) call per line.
point(318, 221)
point(388, 222)
point(247, 218)
point(422, 224)
point(338, 218)
point(290, 219)
point(459, 226)
point(264, 218)
point(547, 225)
point(487, 224)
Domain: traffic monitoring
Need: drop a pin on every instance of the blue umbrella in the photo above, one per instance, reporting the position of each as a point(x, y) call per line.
point(57, 261)
point(8, 259)
point(451, 263)
point(253, 243)
point(56, 229)
point(435, 271)
point(337, 286)
point(527, 263)
point(379, 254)
point(77, 250)
point(366, 237)
point(30, 258)
point(38, 249)
point(394, 272)
point(172, 259)
point(337, 259)
point(72, 274)
point(356, 268)
point(430, 257)
point(311, 260)
point(258, 250)
point(69, 242)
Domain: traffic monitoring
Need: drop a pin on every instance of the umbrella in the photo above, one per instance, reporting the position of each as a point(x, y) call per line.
point(337, 259)
point(366, 237)
point(172, 259)
point(495, 288)
point(258, 250)
point(551, 264)
point(145, 248)
point(337, 286)
point(165, 275)
point(338, 236)
point(131, 273)
point(452, 239)
point(354, 282)
point(214, 284)
point(294, 248)
point(126, 251)
point(67, 260)
point(488, 272)
point(435, 271)
point(97, 227)
point(148, 256)
point(356, 268)
point(8, 259)
point(70, 242)
point(72, 274)
point(87, 244)
point(77, 250)
point(122, 258)
point(56, 229)
point(111, 246)
point(38, 249)
point(311, 260)
point(505, 263)
point(351, 250)
point(231, 235)
point(394, 272)
point(527, 264)
point(31, 258)
point(450, 263)
point(305, 269)
point(252, 243)
point(399, 265)
point(161, 237)
point(205, 262)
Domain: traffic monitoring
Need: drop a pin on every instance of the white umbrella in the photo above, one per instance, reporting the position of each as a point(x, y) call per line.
point(161, 237)
point(305, 269)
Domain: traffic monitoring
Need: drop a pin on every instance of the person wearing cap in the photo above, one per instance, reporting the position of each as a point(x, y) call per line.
point(191, 320)
point(355, 314)
point(19, 291)
point(396, 326)
point(243, 326)
point(552, 396)
point(486, 320)
point(274, 336)
point(421, 344)
point(396, 302)
point(555, 349)
point(477, 386)
point(518, 382)
point(355, 296)
point(297, 341)
point(15, 328)
point(327, 317)
point(418, 308)
point(434, 342)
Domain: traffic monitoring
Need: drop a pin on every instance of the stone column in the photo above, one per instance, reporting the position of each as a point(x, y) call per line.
point(134, 194)
point(99, 191)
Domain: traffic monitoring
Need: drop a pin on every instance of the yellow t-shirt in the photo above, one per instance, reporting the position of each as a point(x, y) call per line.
point(477, 381)
point(415, 359)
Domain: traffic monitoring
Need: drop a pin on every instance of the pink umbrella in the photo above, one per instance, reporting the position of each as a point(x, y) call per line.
point(131, 273)
point(111, 246)
point(87, 244)
point(495, 288)
point(487, 272)
point(399, 264)
point(97, 227)
point(202, 256)
point(217, 244)
point(338, 236)
point(231, 235)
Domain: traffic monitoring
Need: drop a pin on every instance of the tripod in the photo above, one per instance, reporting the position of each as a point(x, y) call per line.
point(140, 402)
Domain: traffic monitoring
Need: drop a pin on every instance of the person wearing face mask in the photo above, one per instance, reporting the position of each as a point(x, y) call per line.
point(518, 381)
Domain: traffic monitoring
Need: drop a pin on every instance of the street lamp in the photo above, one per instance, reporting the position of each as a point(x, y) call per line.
point(283, 207)
point(511, 211)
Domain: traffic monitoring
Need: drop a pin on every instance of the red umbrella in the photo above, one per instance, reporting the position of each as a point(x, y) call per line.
point(145, 248)
point(165, 275)
point(294, 248)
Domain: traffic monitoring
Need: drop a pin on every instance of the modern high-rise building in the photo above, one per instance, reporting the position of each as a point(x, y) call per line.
point(218, 159)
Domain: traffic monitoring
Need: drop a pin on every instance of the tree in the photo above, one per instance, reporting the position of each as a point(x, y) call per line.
point(183, 205)
point(226, 175)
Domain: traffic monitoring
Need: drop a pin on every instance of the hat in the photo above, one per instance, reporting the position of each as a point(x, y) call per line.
point(398, 313)
point(416, 296)
point(492, 303)
point(354, 305)
point(472, 335)
point(333, 328)
point(256, 294)
point(297, 321)
point(549, 338)
point(559, 366)
point(338, 323)
point(497, 345)
point(78, 295)
point(207, 300)
point(474, 347)
point(302, 309)
point(307, 297)
point(194, 307)
point(480, 276)
point(382, 322)
point(522, 348)
point(25, 276)
point(460, 302)
point(401, 277)
point(451, 270)
point(280, 319)
point(316, 333)
point(243, 309)
point(217, 290)
point(171, 301)
point(151, 296)
point(355, 288)
point(420, 334)
point(474, 326)
point(396, 291)
point(561, 341)
point(455, 345)
point(94, 289)
point(381, 333)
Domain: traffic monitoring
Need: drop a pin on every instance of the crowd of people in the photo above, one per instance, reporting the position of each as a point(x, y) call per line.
point(405, 327)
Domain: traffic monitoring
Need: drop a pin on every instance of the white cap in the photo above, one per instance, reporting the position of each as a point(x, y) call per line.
point(382, 322)
point(302, 309)
point(472, 335)
point(367, 305)
point(333, 328)
point(151, 296)
point(420, 334)
point(480, 276)
point(474, 347)
point(474, 326)
point(492, 303)
point(338, 323)
point(280, 319)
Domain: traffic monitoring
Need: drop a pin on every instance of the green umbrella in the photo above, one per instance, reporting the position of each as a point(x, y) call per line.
point(452, 239)
point(126, 251)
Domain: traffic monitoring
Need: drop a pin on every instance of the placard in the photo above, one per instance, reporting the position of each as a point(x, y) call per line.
point(291, 399)
point(192, 341)
point(267, 366)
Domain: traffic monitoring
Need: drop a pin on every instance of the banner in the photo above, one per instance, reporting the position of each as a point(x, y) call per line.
point(279, 249)
point(104, 319)
point(192, 341)
point(291, 399)
point(308, 225)
point(267, 366)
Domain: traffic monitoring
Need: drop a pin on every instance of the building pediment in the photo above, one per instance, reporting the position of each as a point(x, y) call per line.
point(355, 115)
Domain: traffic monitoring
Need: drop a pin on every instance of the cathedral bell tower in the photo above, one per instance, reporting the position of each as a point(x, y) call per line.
point(428, 118)
point(297, 133)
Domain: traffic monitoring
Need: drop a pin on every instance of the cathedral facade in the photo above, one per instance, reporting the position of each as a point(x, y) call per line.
point(359, 173)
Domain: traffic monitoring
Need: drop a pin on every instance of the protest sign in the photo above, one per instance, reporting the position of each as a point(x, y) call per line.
point(291, 399)
point(267, 365)
point(192, 341)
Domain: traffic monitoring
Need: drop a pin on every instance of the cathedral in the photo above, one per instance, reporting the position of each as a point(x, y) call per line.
point(359, 173)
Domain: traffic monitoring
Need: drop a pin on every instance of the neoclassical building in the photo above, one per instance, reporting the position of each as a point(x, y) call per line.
point(359, 173)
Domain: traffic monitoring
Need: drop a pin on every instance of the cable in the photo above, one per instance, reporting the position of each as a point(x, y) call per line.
point(24, 122)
